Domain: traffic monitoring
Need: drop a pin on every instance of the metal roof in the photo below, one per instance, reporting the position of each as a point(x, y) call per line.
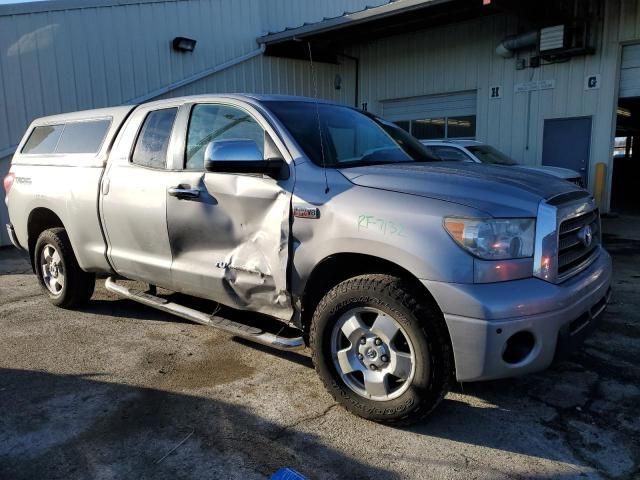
point(57, 5)
point(331, 35)
point(348, 18)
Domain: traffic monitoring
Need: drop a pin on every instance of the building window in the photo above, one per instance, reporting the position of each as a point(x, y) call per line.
point(461, 127)
point(441, 127)
point(429, 128)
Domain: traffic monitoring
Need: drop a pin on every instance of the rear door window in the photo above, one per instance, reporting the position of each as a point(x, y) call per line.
point(153, 140)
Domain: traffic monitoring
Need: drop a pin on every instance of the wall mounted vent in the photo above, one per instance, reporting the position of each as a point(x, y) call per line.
point(570, 39)
point(552, 38)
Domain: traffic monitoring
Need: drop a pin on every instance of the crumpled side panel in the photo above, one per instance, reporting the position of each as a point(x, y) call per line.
point(255, 271)
point(231, 244)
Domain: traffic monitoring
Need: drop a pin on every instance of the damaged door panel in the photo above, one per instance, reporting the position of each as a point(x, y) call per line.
point(230, 237)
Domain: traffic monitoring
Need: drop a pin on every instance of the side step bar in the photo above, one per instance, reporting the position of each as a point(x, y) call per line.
point(238, 329)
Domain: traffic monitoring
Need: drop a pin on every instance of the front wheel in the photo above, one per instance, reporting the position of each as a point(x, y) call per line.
point(381, 349)
point(62, 279)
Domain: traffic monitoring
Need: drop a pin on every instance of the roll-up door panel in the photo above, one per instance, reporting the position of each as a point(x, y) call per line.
point(630, 72)
point(430, 106)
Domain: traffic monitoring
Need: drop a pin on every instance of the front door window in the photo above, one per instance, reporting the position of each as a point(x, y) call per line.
point(211, 122)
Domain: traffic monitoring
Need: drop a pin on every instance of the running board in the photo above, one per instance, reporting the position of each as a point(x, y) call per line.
point(238, 329)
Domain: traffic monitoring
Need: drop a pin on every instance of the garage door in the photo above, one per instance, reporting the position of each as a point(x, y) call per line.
point(630, 72)
point(450, 115)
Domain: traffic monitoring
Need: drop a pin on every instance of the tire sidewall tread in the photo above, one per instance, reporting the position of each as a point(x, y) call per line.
point(423, 323)
point(79, 285)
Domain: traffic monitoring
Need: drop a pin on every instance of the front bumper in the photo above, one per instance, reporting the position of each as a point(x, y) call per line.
point(12, 236)
point(482, 317)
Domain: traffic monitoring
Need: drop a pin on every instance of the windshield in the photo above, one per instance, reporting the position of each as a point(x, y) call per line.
point(488, 154)
point(349, 137)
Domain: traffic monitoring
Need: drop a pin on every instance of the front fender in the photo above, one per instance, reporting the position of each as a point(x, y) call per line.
point(404, 229)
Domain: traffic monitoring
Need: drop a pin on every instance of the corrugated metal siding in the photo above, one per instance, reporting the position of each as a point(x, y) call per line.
point(80, 58)
point(4, 215)
point(430, 106)
point(70, 56)
point(280, 76)
point(93, 57)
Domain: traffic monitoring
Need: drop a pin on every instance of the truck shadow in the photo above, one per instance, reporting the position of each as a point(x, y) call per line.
point(125, 308)
point(14, 262)
point(129, 309)
point(545, 415)
point(85, 426)
point(77, 426)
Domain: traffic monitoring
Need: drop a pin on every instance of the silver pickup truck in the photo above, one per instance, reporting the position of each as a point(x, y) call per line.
point(402, 273)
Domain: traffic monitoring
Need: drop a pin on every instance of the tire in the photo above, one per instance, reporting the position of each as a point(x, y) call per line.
point(383, 303)
point(57, 269)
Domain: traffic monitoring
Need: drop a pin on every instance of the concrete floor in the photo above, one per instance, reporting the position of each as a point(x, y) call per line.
point(119, 390)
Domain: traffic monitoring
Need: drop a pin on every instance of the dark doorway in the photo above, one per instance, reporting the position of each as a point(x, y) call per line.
point(625, 196)
point(566, 143)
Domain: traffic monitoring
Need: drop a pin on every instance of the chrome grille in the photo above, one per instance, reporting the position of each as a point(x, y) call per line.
point(574, 252)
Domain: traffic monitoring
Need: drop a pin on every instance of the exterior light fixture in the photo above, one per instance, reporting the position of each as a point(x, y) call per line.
point(183, 44)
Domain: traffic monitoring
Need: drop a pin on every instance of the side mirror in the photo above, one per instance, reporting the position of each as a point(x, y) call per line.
point(242, 156)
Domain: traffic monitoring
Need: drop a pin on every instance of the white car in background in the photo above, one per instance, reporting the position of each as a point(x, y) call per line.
point(478, 152)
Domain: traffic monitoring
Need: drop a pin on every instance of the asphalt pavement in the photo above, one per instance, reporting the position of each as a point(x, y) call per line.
point(118, 390)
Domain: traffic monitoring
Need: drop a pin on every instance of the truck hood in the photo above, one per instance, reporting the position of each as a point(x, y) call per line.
point(559, 172)
point(498, 191)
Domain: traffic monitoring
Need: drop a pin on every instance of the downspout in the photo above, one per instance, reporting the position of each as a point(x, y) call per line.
point(356, 61)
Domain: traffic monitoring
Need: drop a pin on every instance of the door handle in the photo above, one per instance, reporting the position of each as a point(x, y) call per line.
point(183, 192)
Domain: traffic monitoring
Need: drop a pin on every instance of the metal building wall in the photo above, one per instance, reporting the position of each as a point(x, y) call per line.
point(4, 215)
point(72, 55)
point(79, 54)
point(73, 58)
point(279, 76)
point(462, 56)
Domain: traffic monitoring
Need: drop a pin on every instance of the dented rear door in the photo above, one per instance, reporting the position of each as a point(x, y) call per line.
point(230, 237)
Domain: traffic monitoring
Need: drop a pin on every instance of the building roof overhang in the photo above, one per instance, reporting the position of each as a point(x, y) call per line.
point(331, 36)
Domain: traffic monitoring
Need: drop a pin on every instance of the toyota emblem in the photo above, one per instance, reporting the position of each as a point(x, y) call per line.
point(586, 235)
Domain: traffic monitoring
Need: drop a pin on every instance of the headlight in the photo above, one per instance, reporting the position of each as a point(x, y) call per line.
point(493, 238)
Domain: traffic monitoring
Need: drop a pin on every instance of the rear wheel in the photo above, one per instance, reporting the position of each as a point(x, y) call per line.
point(62, 279)
point(381, 349)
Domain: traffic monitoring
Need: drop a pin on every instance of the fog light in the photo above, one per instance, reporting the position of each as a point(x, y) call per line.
point(518, 347)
